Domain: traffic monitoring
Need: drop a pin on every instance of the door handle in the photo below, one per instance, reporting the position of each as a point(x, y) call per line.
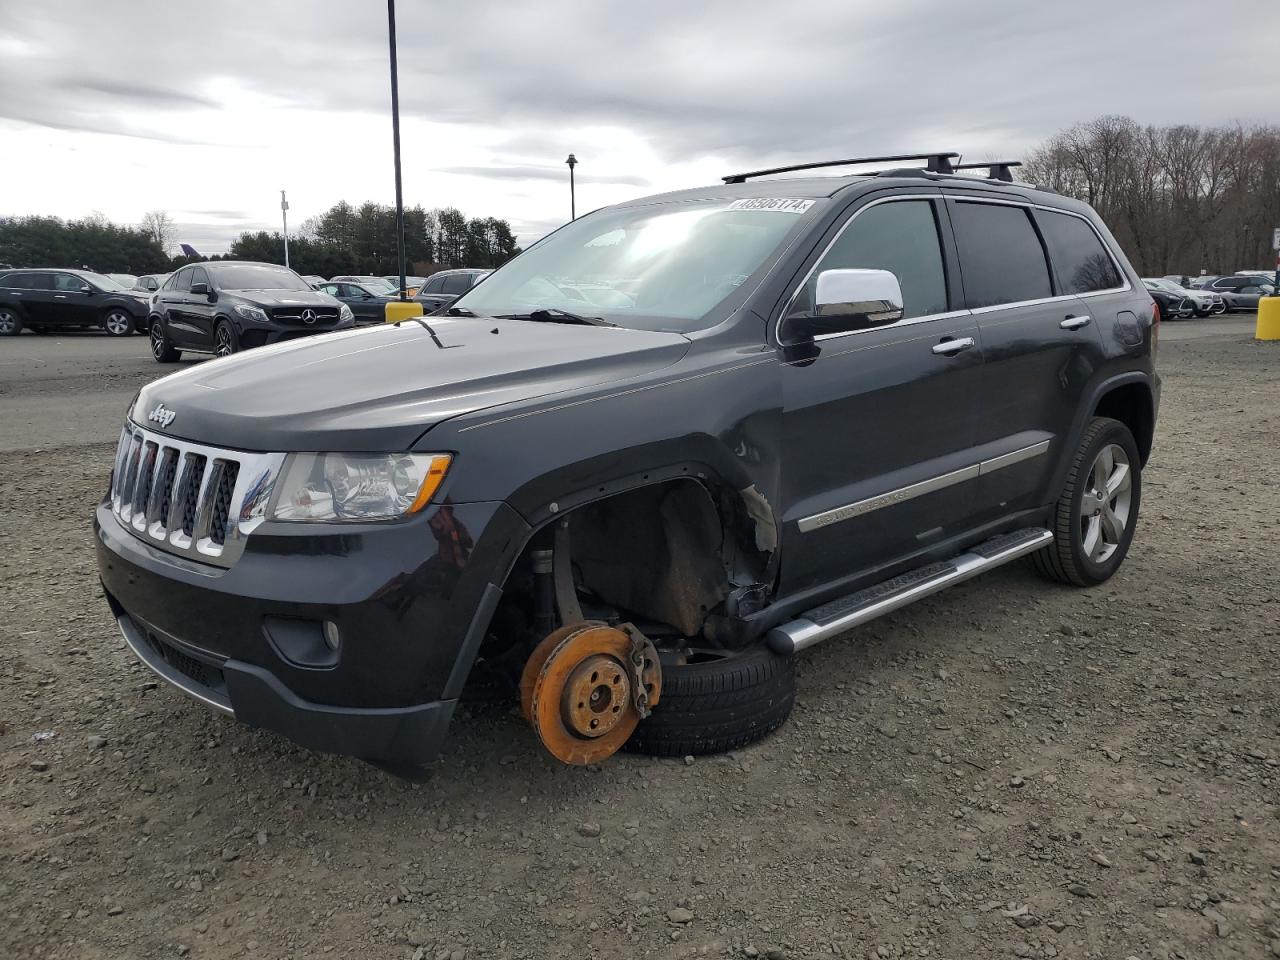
point(949, 348)
point(1075, 323)
point(59, 296)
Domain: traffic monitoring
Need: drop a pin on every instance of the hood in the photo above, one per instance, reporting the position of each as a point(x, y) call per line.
point(284, 298)
point(379, 388)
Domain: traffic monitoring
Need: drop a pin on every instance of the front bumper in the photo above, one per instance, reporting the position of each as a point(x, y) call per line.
point(411, 601)
point(256, 333)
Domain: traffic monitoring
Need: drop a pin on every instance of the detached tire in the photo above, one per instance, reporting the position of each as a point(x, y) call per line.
point(718, 705)
point(1094, 519)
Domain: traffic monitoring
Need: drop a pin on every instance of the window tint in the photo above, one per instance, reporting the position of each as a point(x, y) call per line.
point(1078, 255)
point(901, 237)
point(68, 282)
point(457, 283)
point(182, 282)
point(433, 285)
point(17, 281)
point(40, 281)
point(1001, 257)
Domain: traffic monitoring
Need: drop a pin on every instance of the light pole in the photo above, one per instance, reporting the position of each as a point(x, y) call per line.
point(284, 218)
point(573, 209)
point(395, 141)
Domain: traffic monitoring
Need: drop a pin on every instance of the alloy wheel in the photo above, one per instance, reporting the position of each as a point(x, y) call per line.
point(223, 347)
point(118, 323)
point(157, 341)
point(8, 322)
point(1105, 507)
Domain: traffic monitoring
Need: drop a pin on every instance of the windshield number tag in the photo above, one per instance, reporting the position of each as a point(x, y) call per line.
point(772, 204)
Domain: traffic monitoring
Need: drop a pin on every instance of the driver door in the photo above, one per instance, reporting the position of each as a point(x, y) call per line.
point(73, 300)
point(879, 424)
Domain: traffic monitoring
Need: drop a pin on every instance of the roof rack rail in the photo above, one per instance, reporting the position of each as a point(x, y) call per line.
point(996, 169)
point(937, 163)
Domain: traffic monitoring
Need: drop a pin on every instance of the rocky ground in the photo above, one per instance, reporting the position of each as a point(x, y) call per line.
point(1009, 769)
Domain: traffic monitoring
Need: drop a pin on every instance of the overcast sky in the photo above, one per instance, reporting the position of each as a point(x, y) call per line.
point(207, 110)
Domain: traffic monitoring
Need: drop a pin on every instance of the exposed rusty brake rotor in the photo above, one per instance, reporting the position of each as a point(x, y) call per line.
point(581, 689)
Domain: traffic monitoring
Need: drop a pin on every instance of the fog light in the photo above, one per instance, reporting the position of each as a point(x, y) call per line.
point(332, 637)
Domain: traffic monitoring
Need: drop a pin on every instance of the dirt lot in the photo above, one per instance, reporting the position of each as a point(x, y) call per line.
point(1008, 769)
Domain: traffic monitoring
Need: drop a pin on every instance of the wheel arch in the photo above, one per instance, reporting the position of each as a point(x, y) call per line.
point(1130, 401)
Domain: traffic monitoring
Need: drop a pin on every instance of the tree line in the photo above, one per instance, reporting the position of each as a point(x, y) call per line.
point(1180, 199)
point(343, 240)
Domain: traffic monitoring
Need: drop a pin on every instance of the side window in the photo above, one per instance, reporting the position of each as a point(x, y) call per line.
point(17, 281)
point(332, 289)
point(1001, 257)
point(901, 237)
point(40, 281)
point(198, 275)
point(456, 283)
point(1081, 260)
point(433, 285)
point(182, 280)
point(68, 283)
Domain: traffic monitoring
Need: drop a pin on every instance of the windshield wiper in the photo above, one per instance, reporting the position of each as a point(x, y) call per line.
point(556, 315)
point(460, 312)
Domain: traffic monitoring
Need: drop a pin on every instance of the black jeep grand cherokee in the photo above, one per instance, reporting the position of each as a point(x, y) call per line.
point(641, 466)
point(222, 307)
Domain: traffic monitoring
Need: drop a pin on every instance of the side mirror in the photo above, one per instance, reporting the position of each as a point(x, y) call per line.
point(199, 289)
point(847, 300)
point(88, 289)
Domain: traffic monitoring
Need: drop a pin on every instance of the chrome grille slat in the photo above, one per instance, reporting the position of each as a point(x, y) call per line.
point(190, 499)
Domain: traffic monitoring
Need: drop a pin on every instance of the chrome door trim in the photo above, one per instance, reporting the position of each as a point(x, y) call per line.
point(902, 494)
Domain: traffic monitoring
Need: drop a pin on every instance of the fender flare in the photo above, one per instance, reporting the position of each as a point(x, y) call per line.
point(1085, 414)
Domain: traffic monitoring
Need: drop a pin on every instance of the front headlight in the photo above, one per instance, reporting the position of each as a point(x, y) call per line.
point(345, 314)
point(356, 486)
point(251, 313)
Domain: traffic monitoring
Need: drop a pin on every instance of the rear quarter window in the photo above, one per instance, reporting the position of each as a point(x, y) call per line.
point(1001, 257)
point(1079, 256)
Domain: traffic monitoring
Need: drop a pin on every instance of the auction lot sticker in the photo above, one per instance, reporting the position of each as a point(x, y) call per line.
point(773, 204)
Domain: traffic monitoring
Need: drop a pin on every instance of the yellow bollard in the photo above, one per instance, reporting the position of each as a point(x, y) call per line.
point(1268, 319)
point(398, 310)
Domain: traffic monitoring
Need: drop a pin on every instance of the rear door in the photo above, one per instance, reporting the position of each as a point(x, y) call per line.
point(1041, 340)
point(878, 424)
point(32, 293)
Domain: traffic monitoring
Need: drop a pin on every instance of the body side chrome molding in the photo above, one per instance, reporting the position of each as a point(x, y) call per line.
point(902, 494)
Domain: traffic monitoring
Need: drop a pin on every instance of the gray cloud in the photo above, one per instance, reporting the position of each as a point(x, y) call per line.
point(121, 90)
point(531, 172)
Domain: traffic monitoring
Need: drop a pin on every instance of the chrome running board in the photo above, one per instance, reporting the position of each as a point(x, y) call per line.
point(835, 617)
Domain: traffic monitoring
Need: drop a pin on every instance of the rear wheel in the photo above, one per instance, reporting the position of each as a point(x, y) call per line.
point(117, 323)
point(718, 704)
point(1095, 517)
point(10, 322)
point(161, 347)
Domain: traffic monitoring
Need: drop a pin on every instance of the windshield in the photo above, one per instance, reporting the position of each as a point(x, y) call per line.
point(248, 276)
point(102, 281)
point(663, 266)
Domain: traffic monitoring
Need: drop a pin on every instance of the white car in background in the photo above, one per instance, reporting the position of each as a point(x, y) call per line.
point(1203, 302)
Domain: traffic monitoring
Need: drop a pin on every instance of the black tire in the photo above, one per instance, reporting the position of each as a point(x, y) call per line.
point(117, 322)
point(1202, 313)
point(161, 348)
point(10, 322)
point(1067, 559)
point(225, 340)
point(718, 705)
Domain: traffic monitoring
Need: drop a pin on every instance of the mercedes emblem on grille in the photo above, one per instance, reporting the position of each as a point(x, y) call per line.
point(162, 415)
point(308, 315)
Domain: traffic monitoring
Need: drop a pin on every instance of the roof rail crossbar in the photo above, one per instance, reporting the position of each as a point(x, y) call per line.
point(996, 169)
point(937, 163)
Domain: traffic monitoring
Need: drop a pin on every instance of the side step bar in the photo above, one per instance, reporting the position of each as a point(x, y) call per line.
point(857, 608)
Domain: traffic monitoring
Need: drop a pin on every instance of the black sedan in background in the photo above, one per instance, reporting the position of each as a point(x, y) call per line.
point(49, 299)
point(1172, 306)
point(226, 306)
point(368, 306)
point(442, 288)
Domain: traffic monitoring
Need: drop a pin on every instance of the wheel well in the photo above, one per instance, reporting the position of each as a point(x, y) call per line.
point(671, 556)
point(1131, 404)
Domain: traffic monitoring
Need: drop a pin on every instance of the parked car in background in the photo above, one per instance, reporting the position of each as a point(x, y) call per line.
point(126, 280)
point(314, 280)
point(226, 306)
point(1242, 292)
point(151, 282)
point(48, 299)
point(1173, 306)
point(374, 284)
point(1199, 283)
point(368, 307)
point(411, 284)
point(1203, 302)
point(442, 288)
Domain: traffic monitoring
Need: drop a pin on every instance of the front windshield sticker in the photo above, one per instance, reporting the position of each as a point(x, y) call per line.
point(774, 204)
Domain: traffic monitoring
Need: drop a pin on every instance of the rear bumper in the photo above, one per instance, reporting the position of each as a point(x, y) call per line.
point(401, 735)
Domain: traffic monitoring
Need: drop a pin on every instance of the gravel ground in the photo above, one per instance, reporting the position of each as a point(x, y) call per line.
point(1008, 769)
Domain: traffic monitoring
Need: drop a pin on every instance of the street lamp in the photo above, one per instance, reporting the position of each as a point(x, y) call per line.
point(284, 219)
point(395, 138)
point(573, 210)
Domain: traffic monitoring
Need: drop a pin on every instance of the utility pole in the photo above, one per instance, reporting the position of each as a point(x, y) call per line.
point(284, 217)
point(395, 141)
point(573, 208)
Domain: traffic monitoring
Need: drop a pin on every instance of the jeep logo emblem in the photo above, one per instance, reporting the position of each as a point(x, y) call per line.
point(162, 415)
point(308, 315)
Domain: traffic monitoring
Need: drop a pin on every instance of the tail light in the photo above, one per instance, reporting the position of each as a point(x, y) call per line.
point(1155, 328)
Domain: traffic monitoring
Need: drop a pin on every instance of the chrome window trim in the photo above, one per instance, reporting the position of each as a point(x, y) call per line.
point(891, 498)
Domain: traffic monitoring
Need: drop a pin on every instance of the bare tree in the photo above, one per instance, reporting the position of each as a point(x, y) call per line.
point(158, 225)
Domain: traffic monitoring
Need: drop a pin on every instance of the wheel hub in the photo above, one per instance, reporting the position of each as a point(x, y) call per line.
point(595, 696)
